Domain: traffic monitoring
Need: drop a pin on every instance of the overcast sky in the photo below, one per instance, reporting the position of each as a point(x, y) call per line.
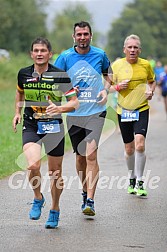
point(103, 11)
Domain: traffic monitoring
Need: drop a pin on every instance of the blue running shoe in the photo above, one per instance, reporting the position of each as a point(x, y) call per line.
point(53, 219)
point(89, 208)
point(84, 194)
point(35, 211)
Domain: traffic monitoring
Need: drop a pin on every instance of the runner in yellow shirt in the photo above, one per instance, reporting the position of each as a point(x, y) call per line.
point(134, 80)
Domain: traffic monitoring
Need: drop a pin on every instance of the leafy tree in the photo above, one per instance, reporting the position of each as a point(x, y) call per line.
point(148, 20)
point(21, 21)
point(61, 34)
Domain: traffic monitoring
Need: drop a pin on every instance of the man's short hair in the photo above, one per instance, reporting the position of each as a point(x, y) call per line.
point(41, 40)
point(83, 24)
point(132, 36)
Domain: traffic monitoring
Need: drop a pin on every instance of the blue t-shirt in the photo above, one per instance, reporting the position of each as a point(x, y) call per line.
point(164, 83)
point(85, 71)
point(158, 71)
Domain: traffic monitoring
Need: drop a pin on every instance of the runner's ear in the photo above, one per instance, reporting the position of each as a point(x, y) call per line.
point(73, 37)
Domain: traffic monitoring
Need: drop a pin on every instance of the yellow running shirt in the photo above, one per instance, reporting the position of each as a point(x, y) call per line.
point(138, 74)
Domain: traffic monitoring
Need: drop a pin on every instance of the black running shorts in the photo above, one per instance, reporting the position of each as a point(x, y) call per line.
point(53, 142)
point(129, 129)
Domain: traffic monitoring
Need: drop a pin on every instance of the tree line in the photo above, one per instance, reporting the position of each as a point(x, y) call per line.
point(22, 21)
point(147, 19)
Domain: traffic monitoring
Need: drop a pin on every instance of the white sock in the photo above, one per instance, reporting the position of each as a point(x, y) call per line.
point(130, 161)
point(140, 160)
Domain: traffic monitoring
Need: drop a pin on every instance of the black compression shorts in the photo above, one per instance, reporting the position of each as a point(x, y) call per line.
point(129, 129)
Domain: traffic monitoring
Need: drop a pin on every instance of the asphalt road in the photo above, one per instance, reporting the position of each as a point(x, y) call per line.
point(123, 223)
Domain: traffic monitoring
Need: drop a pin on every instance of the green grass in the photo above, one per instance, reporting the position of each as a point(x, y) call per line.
point(10, 142)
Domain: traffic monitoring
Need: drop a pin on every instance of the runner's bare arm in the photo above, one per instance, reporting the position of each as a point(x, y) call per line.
point(18, 107)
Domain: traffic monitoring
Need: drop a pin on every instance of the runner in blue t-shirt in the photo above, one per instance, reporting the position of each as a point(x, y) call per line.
point(158, 70)
point(163, 85)
point(85, 65)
